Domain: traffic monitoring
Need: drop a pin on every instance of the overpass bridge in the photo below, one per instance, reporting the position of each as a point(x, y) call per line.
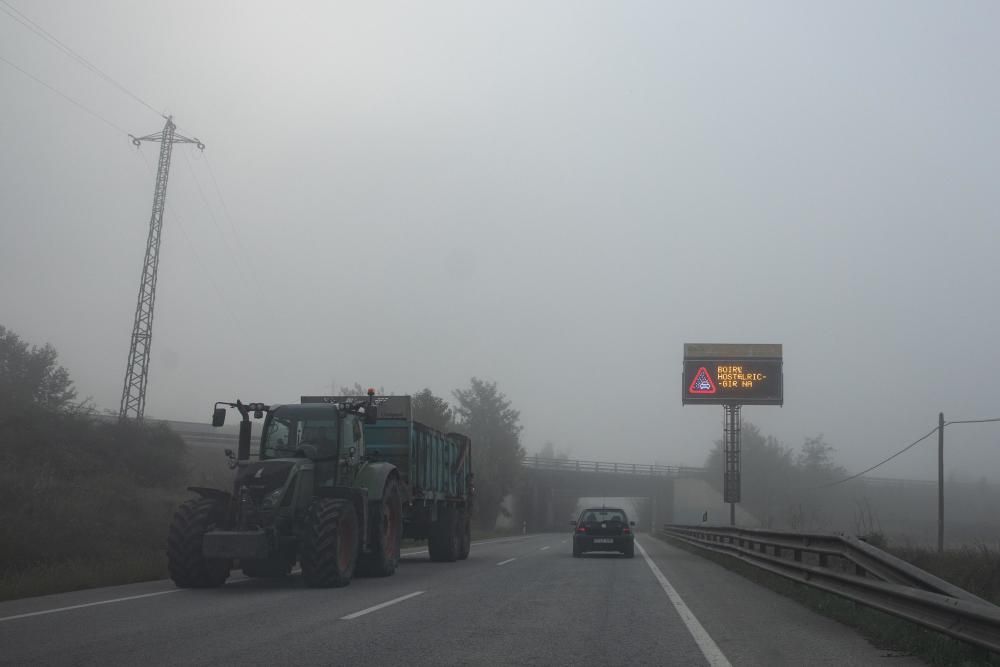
point(549, 489)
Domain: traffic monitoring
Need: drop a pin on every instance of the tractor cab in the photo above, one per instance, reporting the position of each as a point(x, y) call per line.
point(318, 432)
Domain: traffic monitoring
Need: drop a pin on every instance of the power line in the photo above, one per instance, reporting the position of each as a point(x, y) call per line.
point(64, 95)
point(191, 245)
point(211, 215)
point(909, 447)
point(973, 421)
point(41, 32)
point(883, 462)
point(229, 219)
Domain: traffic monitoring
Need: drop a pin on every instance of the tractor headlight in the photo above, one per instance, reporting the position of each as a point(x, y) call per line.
point(271, 499)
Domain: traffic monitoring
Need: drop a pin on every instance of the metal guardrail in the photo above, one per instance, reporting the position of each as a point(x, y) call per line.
point(853, 569)
point(574, 465)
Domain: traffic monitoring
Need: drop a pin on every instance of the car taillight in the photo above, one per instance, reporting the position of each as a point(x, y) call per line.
point(625, 530)
point(581, 529)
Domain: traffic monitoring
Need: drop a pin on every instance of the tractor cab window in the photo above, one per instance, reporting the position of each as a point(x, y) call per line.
point(286, 436)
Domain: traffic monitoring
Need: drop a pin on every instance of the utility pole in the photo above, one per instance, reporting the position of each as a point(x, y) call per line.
point(940, 482)
point(136, 371)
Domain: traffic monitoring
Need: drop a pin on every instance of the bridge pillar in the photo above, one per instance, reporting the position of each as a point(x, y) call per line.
point(661, 504)
point(550, 506)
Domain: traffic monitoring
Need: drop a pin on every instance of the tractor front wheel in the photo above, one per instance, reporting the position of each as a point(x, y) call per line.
point(330, 543)
point(386, 531)
point(185, 562)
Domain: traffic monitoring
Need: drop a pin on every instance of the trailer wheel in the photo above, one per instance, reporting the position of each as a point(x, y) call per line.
point(443, 542)
point(330, 543)
point(185, 562)
point(387, 531)
point(464, 535)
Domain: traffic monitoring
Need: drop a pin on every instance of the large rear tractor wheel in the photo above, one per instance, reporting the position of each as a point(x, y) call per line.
point(330, 543)
point(464, 534)
point(443, 541)
point(185, 562)
point(386, 516)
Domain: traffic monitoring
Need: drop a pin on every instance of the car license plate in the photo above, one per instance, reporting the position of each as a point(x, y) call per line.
point(603, 540)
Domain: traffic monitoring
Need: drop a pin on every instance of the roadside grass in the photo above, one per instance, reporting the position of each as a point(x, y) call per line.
point(86, 503)
point(78, 574)
point(976, 569)
point(883, 630)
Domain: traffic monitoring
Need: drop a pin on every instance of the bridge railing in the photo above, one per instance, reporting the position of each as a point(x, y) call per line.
point(856, 570)
point(577, 465)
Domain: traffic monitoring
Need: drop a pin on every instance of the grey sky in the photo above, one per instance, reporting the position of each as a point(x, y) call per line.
point(555, 196)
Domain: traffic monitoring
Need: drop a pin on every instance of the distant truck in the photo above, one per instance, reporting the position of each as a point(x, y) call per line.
point(335, 486)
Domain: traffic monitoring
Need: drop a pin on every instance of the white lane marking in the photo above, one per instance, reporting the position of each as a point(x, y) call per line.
point(707, 645)
point(413, 553)
point(88, 604)
point(178, 590)
point(509, 560)
point(381, 606)
point(563, 542)
point(543, 548)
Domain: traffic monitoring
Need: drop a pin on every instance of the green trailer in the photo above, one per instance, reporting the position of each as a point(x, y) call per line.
point(435, 473)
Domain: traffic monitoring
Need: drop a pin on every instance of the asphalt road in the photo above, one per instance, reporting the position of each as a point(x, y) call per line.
point(515, 601)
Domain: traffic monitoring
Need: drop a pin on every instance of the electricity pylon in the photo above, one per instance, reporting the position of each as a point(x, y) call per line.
point(137, 371)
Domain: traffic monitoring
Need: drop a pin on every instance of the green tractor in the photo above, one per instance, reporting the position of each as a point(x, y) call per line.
point(311, 497)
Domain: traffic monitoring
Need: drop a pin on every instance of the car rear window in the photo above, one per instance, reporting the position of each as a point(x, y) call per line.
point(600, 516)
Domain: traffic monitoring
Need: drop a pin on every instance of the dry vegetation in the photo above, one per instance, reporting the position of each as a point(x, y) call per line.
point(85, 502)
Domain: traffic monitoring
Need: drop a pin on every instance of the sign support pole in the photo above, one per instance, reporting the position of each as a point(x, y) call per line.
point(731, 456)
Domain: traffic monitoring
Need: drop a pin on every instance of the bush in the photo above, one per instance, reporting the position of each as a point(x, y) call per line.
point(73, 487)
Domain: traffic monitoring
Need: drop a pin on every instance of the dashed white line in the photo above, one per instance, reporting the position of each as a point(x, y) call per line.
point(413, 553)
point(543, 548)
point(88, 604)
point(509, 560)
point(708, 647)
point(381, 606)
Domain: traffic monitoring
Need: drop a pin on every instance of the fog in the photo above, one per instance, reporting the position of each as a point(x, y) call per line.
point(554, 196)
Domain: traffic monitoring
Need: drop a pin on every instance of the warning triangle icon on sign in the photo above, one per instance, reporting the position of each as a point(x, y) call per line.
point(702, 383)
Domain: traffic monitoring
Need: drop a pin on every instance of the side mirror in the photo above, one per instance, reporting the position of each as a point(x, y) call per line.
point(219, 417)
point(371, 414)
point(631, 523)
point(352, 451)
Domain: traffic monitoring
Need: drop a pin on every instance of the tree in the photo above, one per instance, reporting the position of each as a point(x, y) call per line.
point(30, 378)
point(550, 451)
point(767, 473)
point(358, 390)
point(486, 416)
point(816, 455)
point(433, 411)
